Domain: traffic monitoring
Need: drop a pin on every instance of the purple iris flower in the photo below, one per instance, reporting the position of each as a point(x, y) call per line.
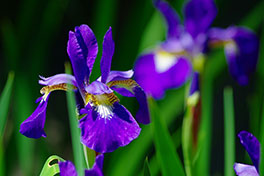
point(252, 146)
point(183, 51)
point(68, 169)
point(106, 124)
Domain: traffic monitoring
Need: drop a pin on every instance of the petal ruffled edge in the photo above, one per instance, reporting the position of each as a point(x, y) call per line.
point(58, 79)
point(104, 129)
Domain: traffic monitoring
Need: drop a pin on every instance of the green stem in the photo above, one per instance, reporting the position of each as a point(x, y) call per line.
point(229, 127)
point(75, 131)
point(186, 141)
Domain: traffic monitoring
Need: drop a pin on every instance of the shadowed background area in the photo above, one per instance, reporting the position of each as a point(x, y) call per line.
point(33, 41)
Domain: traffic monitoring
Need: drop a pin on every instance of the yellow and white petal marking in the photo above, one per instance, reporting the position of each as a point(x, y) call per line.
point(128, 84)
point(103, 103)
point(45, 91)
point(165, 60)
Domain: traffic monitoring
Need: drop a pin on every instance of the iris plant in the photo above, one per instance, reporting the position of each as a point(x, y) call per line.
point(184, 51)
point(68, 169)
point(252, 146)
point(106, 124)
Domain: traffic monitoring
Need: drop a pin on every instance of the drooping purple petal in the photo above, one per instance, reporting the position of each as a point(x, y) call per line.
point(252, 146)
point(82, 50)
point(195, 85)
point(130, 88)
point(58, 79)
point(241, 50)
point(147, 77)
point(245, 170)
point(67, 169)
point(118, 75)
point(105, 128)
point(243, 61)
point(97, 169)
point(33, 126)
point(199, 14)
point(155, 75)
point(177, 75)
point(171, 18)
point(108, 52)
point(142, 115)
point(98, 88)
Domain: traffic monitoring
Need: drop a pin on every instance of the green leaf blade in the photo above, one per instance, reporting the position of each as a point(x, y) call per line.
point(229, 128)
point(75, 131)
point(169, 160)
point(5, 101)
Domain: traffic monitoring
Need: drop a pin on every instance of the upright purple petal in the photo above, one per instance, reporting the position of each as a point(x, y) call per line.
point(252, 146)
point(82, 50)
point(58, 79)
point(171, 18)
point(199, 14)
point(245, 170)
point(195, 85)
point(108, 52)
point(33, 126)
point(97, 169)
point(105, 128)
point(67, 169)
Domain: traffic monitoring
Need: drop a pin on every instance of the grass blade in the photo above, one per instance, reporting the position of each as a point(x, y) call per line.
point(4, 102)
point(169, 160)
point(75, 131)
point(229, 127)
point(146, 168)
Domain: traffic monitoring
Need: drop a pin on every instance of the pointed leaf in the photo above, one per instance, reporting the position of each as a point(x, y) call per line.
point(168, 158)
point(4, 101)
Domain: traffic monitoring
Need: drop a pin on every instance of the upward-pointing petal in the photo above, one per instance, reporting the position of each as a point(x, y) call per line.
point(108, 52)
point(199, 15)
point(170, 16)
point(82, 50)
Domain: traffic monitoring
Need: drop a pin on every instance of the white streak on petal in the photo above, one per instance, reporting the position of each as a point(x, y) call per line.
point(164, 61)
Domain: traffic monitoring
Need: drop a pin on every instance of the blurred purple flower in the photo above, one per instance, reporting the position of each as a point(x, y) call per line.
point(252, 146)
point(174, 60)
point(107, 124)
point(68, 169)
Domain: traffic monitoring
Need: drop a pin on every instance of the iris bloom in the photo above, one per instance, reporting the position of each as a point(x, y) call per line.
point(174, 60)
point(68, 169)
point(107, 124)
point(252, 146)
